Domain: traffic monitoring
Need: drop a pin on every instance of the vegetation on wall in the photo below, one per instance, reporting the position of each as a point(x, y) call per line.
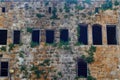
point(54, 13)
point(116, 3)
point(107, 5)
point(3, 48)
point(40, 16)
point(88, 1)
point(29, 29)
point(67, 8)
point(71, 1)
point(33, 44)
point(11, 46)
point(79, 7)
point(90, 58)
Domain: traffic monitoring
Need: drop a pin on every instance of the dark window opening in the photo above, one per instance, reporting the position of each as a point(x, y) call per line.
point(83, 34)
point(96, 10)
point(97, 34)
point(16, 39)
point(3, 9)
point(26, 6)
point(4, 69)
point(111, 34)
point(50, 10)
point(3, 37)
point(35, 36)
point(49, 36)
point(82, 68)
point(64, 35)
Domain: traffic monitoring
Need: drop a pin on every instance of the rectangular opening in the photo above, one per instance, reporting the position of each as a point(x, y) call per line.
point(49, 36)
point(83, 34)
point(50, 10)
point(3, 37)
point(96, 10)
point(4, 69)
point(64, 35)
point(16, 39)
point(82, 68)
point(3, 9)
point(111, 35)
point(36, 36)
point(97, 34)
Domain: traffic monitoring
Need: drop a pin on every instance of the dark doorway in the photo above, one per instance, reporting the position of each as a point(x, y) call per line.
point(83, 34)
point(49, 36)
point(16, 39)
point(97, 34)
point(111, 34)
point(36, 36)
point(3, 37)
point(64, 35)
point(4, 69)
point(82, 68)
point(3, 9)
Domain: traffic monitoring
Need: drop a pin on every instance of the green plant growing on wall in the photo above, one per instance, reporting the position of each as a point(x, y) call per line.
point(67, 8)
point(23, 68)
point(71, 1)
point(20, 44)
point(54, 13)
point(29, 29)
point(36, 71)
point(33, 44)
point(79, 7)
point(52, 44)
point(3, 48)
point(78, 35)
point(90, 78)
point(107, 5)
point(46, 62)
point(40, 16)
point(11, 46)
point(88, 1)
point(21, 55)
point(65, 16)
point(116, 3)
point(46, 3)
point(62, 43)
point(54, 77)
point(90, 58)
point(60, 74)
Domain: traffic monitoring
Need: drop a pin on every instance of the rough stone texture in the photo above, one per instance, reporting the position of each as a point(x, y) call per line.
point(107, 58)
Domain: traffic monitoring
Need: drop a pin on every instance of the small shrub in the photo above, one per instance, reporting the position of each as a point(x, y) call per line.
point(60, 74)
point(90, 78)
point(34, 44)
point(46, 62)
point(3, 48)
point(89, 59)
point(21, 55)
point(29, 29)
point(22, 68)
point(116, 3)
point(11, 46)
point(40, 16)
